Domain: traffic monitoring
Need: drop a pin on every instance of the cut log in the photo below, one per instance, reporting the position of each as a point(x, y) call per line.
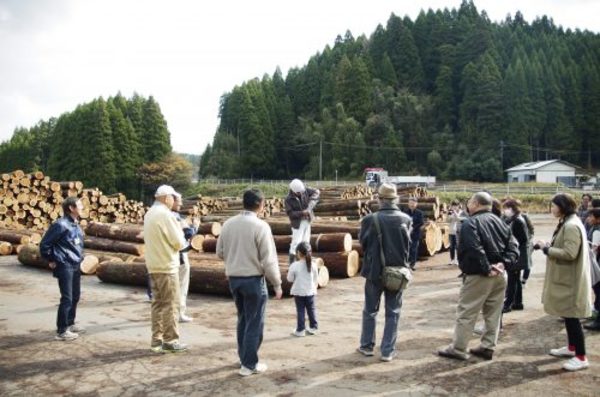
point(132, 233)
point(123, 273)
point(105, 244)
point(357, 247)
point(89, 264)
point(340, 264)
point(104, 256)
point(14, 237)
point(209, 245)
point(431, 239)
point(213, 228)
point(197, 241)
point(6, 248)
point(30, 256)
point(323, 276)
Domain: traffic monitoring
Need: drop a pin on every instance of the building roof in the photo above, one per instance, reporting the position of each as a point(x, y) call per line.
point(537, 165)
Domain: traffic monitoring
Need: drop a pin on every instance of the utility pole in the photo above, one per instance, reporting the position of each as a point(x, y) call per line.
point(502, 154)
point(321, 160)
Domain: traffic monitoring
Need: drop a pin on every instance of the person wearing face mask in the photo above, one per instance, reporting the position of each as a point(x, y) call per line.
point(299, 205)
point(511, 212)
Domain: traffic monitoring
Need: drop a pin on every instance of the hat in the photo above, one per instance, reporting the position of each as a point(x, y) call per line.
point(297, 186)
point(387, 191)
point(165, 190)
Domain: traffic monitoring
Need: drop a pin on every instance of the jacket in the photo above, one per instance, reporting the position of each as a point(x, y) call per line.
point(163, 240)
point(454, 220)
point(567, 283)
point(294, 205)
point(63, 244)
point(484, 240)
point(395, 229)
point(519, 230)
point(417, 222)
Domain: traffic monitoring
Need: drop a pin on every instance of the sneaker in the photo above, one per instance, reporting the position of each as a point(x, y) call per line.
point(413, 267)
point(299, 333)
point(562, 352)
point(312, 331)
point(259, 369)
point(593, 326)
point(576, 364)
point(77, 329)
point(185, 319)
point(66, 336)
point(158, 349)
point(450, 352)
point(388, 358)
point(175, 347)
point(365, 352)
point(506, 309)
point(482, 352)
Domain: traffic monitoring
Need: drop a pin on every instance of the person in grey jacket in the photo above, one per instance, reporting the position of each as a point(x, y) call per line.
point(395, 229)
point(299, 205)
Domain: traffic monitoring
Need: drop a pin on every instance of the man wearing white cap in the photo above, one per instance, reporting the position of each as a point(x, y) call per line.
point(299, 205)
point(164, 239)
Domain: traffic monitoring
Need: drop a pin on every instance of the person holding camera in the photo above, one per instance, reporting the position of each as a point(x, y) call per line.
point(485, 250)
point(455, 218)
point(511, 211)
point(299, 205)
point(567, 284)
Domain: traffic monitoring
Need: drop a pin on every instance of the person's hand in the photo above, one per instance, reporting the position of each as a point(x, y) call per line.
point(541, 243)
point(52, 265)
point(497, 269)
point(278, 293)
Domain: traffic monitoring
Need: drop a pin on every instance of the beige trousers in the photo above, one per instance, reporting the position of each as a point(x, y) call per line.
point(479, 293)
point(165, 308)
point(184, 283)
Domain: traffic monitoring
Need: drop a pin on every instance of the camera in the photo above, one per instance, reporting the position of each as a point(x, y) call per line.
point(536, 246)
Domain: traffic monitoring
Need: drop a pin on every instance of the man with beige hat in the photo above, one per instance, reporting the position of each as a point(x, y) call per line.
point(394, 232)
point(164, 239)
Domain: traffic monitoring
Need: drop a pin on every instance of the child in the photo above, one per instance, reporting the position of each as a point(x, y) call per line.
point(303, 274)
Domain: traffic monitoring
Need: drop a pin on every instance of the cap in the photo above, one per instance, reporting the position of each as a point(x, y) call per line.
point(165, 190)
point(387, 191)
point(297, 186)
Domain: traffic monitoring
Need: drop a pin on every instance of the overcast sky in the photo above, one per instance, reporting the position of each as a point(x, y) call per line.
point(57, 54)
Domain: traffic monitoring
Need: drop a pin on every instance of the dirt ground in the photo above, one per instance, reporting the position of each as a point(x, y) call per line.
point(113, 357)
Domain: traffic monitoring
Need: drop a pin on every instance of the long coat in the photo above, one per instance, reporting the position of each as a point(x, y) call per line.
point(567, 286)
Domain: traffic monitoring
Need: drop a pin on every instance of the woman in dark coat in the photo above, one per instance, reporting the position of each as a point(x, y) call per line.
point(511, 211)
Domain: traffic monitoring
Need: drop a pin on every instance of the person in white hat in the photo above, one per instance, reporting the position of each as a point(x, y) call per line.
point(164, 239)
point(299, 205)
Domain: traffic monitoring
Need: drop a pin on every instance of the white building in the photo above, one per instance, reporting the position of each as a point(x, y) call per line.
point(550, 171)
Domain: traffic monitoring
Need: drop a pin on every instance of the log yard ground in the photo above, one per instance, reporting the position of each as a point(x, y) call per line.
point(113, 358)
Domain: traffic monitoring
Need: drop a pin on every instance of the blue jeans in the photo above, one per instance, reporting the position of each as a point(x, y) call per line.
point(393, 303)
point(453, 245)
point(306, 304)
point(250, 296)
point(413, 253)
point(70, 291)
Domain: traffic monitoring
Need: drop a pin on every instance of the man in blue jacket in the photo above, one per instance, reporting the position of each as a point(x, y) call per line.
point(62, 246)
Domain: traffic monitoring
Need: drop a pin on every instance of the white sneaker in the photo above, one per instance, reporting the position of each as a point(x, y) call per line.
point(299, 333)
point(454, 262)
point(77, 329)
point(389, 357)
point(260, 368)
point(66, 336)
point(185, 319)
point(576, 364)
point(562, 352)
point(312, 331)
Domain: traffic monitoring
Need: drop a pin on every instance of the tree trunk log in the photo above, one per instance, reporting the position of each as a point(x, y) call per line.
point(104, 244)
point(14, 237)
point(340, 264)
point(123, 273)
point(6, 248)
point(213, 228)
point(30, 256)
point(114, 231)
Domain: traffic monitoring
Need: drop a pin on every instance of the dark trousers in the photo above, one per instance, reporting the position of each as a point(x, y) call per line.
point(415, 238)
point(306, 304)
point(514, 290)
point(250, 296)
point(575, 335)
point(596, 289)
point(70, 290)
point(453, 245)
point(526, 274)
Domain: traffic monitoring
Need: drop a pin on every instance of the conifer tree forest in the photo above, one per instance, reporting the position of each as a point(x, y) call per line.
point(449, 94)
point(109, 144)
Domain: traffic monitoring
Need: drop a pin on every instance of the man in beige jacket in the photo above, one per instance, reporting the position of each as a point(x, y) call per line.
point(164, 239)
point(247, 246)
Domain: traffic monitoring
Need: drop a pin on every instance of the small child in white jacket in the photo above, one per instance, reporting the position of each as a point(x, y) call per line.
point(303, 274)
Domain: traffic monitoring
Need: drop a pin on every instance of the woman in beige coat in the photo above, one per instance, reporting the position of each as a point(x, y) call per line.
point(567, 286)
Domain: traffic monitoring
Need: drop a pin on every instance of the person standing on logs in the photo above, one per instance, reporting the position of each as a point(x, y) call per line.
point(164, 239)
point(246, 245)
point(299, 205)
point(184, 269)
point(62, 246)
point(394, 233)
point(415, 236)
point(486, 248)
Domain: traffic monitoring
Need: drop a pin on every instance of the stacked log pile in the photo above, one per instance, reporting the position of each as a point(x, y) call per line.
point(33, 202)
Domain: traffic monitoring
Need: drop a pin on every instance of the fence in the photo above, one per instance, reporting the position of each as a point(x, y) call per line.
point(252, 181)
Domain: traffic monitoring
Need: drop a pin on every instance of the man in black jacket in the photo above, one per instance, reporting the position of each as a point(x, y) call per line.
point(299, 205)
point(395, 230)
point(485, 249)
point(415, 236)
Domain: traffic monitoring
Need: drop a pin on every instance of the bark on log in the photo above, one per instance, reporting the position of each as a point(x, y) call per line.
point(132, 233)
point(104, 256)
point(340, 264)
point(123, 273)
point(104, 244)
point(213, 228)
point(30, 256)
point(280, 228)
point(357, 247)
point(14, 237)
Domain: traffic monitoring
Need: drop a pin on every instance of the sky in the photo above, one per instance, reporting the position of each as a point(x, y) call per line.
point(57, 54)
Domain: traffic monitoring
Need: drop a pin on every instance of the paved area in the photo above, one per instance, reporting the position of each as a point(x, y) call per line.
point(113, 359)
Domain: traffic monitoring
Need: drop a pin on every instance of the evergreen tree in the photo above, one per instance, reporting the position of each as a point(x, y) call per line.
point(155, 138)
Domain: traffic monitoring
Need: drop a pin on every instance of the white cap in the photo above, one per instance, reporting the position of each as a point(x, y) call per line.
point(165, 190)
point(297, 186)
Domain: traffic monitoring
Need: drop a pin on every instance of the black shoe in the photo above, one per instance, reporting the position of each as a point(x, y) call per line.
point(413, 267)
point(482, 352)
point(595, 326)
point(517, 307)
point(506, 310)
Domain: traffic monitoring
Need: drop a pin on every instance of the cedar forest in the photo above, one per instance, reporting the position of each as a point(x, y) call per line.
point(450, 94)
